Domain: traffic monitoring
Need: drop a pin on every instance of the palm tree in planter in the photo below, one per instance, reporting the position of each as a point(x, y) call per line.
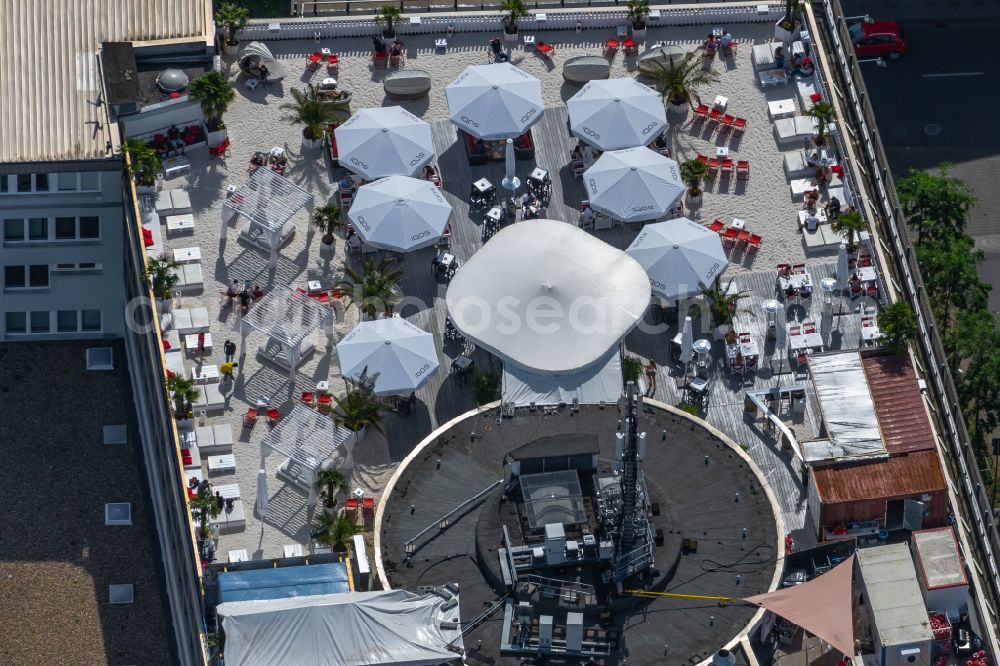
point(214, 93)
point(308, 110)
point(143, 163)
point(678, 82)
point(515, 10)
point(330, 482)
point(358, 407)
point(721, 305)
point(389, 17)
point(327, 219)
point(638, 11)
point(824, 113)
point(183, 392)
point(692, 173)
point(234, 18)
point(334, 531)
point(162, 272)
point(205, 506)
point(852, 224)
point(787, 29)
point(375, 288)
point(898, 326)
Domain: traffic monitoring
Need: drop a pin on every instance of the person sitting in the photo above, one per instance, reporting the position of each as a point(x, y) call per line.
point(258, 159)
point(779, 57)
point(396, 51)
point(428, 172)
point(821, 175)
point(347, 184)
point(833, 208)
point(257, 292)
point(577, 153)
point(854, 283)
point(378, 45)
point(810, 198)
point(725, 41)
point(497, 47)
point(710, 45)
point(244, 302)
point(812, 222)
point(790, 292)
point(731, 337)
point(804, 69)
point(785, 271)
point(545, 48)
point(262, 75)
point(586, 216)
point(478, 147)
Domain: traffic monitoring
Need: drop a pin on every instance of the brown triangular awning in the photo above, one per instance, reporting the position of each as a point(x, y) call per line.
point(822, 606)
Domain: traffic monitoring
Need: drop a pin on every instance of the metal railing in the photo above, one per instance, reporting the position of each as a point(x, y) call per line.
point(890, 222)
point(317, 7)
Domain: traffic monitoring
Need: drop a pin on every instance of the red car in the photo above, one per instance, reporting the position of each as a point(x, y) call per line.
point(878, 39)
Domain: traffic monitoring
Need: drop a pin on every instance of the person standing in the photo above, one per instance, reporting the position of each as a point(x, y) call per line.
point(201, 344)
point(651, 376)
point(230, 349)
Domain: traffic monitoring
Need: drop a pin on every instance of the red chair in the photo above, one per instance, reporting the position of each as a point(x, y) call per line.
point(727, 121)
point(631, 48)
point(220, 150)
point(273, 416)
point(798, 269)
point(545, 49)
point(715, 114)
point(837, 170)
point(611, 48)
point(307, 398)
point(380, 59)
point(701, 111)
point(727, 164)
point(713, 166)
point(729, 236)
point(802, 359)
point(312, 62)
point(739, 124)
point(743, 170)
point(368, 503)
point(717, 226)
point(743, 236)
point(332, 62)
point(351, 503)
point(815, 97)
point(753, 243)
point(702, 158)
point(250, 419)
point(324, 402)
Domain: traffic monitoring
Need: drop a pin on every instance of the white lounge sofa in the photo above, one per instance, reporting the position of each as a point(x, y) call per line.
point(193, 320)
point(210, 398)
point(794, 130)
point(191, 277)
point(763, 55)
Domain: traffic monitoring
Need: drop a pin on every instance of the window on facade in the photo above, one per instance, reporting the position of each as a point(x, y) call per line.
point(90, 180)
point(24, 182)
point(90, 227)
point(91, 320)
point(66, 321)
point(38, 228)
point(38, 275)
point(13, 229)
point(14, 277)
point(87, 265)
point(65, 228)
point(66, 181)
point(40, 321)
point(41, 182)
point(16, 322)
point(3, 184)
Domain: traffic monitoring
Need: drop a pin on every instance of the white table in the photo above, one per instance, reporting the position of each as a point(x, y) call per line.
point(238, 556)
point(804, 341)
point(177, 223)
point(441, 43)
point(482, 185)
point(359, 493)
point(722, 151)
point(870, 333)
point(738, 224)
point(322, 387)
point(796, 281)
point(820, 215)
point(191, 342)
point(207, 373)
point(228, 490)
point(721, 102)
point(293, 550)
point(781, 108)
point(186, 255)
point(539, 174)
point(414, 20)
point(329, 82)
point(314, 286)
point(867, 273)
point(326, 52)
point(222, 463)
point(541, 18)
point(495, 214)
point(445, 260)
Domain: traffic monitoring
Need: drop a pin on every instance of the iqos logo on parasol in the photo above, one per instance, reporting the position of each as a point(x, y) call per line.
point(422, 234)
point(656, 284)
point(419, 158)
point(356, 162)
point(710, 273)
point(468, 121)
point(423, 370)
point(529, 114)
point(640, 209)
point(650, 127)
point(590, 132)
point(363, 223)
point(593, 186)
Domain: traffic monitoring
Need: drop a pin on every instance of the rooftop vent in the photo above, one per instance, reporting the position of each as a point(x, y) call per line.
point(172, 80)
point(115, 434)
point(118, 513)
point(121, 593)
point(100, 358)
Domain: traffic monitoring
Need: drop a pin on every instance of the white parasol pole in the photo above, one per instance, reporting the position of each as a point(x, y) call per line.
point(510, 181)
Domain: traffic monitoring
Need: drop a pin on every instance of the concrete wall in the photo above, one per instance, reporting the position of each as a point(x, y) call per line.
point(89, 289)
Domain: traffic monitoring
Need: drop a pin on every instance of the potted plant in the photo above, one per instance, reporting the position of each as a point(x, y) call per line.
point(898, 326)
point(358, 407)
point(787, 29)
point(375, 289)
point(388, 16)
point(692, 173)
point(308, 110)
point(143, 164)
point(824, 113)
point(486, 386)
point(334, 531)
point(162, 272)
point(327, 219)
point(631, 369)
point(213, 92)
point(329, 482)
point(638, 11)
point(183, 392)
point(205, 506)
point(233, 18)
point(850, 224)
point(678, 81)
point(515, 11)
point(721, 305)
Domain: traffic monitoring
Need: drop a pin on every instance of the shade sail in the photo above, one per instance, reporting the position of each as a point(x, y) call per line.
point(402, 355)
point(347, 629)
point(497, 101)
point(384, 141)
point(548, 297)
point(616, 113)
point(601, 382)
point(679, 256)
point(821, 606)
point(400, 213)
point(633, 184)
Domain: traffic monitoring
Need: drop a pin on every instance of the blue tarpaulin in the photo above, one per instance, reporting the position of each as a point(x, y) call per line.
point(282, 583)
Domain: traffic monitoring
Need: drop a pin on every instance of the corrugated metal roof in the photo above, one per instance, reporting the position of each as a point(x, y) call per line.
point(938, 557)
point(902, 417)
point(894, 595)
point(847, 406)
point(918, 472)
point(50, 69)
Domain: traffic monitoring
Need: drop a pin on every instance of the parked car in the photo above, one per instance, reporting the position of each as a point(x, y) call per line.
point(878, 39)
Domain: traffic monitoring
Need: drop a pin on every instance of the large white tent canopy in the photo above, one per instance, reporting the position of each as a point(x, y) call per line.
point(548, 297)
point(497, 101)
point(633, 184)
point(347, 629)
point(616, 113)
point(601, 382)
point(400, 213)
point(384, 141)
point(679, 256)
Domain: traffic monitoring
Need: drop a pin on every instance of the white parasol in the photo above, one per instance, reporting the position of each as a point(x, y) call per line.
point(611, 114)
point(633, 184)
point(497, 101)
point(400, 213)
point(384, 141)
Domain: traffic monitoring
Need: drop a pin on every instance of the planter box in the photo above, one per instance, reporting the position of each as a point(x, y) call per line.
point(783, 35)
point(511, 37)
point(217, 137)
point(326, 250)
point(230, 50)
point(639, 34)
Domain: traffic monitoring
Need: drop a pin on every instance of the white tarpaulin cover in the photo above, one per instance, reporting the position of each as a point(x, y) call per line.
point(548, 296)
point(633, 184)
point(401, 355)
point(602, 381)
point(679, 256)
point(400, 213)
point(349, 629)
point(616, 113)
point(497, 101)
point(384, 141)
point(848, 409)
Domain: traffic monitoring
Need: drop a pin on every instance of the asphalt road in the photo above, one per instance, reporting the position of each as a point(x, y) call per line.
point(939, 104)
